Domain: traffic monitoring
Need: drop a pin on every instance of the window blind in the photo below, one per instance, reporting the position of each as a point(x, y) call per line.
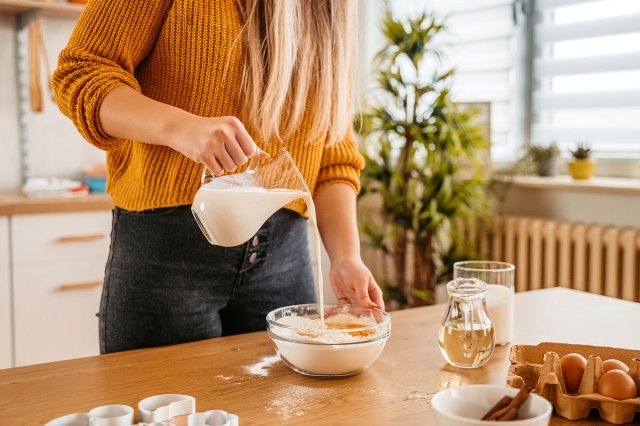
point(479, 43)
point(586, 74)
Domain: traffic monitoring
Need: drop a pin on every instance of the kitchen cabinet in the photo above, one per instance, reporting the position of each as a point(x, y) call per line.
point(6, 341)
point(58, 262)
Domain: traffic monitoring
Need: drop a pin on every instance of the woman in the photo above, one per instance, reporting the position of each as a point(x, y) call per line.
point(167, 86)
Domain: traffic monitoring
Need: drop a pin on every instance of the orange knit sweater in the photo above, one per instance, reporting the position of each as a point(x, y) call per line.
point(174, 52)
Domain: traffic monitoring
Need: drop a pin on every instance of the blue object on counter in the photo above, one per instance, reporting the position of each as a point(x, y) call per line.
point(96, 184)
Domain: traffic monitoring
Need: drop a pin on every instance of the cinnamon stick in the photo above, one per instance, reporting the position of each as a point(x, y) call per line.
point(512, 414)
point(516, 402)
point(506, 400)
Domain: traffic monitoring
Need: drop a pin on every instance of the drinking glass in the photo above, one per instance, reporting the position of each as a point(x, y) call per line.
point(499, 277)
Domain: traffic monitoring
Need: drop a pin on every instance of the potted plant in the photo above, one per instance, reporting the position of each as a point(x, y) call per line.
point(582, 166)
point(544, 158)
point(423, 163)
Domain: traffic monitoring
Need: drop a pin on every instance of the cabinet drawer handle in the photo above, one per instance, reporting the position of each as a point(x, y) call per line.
point(81, 237)
point(84, 285)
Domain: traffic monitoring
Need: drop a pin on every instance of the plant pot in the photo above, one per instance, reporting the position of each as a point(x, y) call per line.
point(582, 169)
point(547, 168)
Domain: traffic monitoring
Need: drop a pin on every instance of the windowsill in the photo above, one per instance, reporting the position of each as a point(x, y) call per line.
point(596, 184)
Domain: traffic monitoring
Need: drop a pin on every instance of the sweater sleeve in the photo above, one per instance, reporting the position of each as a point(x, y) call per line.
point(109, 41)
point(341, 163)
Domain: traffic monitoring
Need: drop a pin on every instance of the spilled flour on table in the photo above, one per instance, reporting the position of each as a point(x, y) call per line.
point(236, 380)
point(225, 378)
point(420, 396)
point(385, 393)
point(261, 368)
point(454, 381)
point(293, 401)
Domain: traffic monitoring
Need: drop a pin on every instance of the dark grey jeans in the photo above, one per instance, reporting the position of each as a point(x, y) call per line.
point(165, 284)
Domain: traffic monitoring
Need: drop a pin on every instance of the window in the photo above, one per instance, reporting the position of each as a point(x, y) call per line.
point(574, 76)
point(480, 45)
point(586, 74)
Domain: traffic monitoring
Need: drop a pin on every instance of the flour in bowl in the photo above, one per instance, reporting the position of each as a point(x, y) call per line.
point(340, 328)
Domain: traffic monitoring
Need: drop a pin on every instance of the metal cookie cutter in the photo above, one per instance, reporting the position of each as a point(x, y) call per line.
point(213, 418)
point(106, 415)
point(161, 408)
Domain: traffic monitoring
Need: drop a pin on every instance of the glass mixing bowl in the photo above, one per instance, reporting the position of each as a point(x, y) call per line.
point(353, 339)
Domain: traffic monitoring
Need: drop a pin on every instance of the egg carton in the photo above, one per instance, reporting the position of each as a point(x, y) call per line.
point(539, 367)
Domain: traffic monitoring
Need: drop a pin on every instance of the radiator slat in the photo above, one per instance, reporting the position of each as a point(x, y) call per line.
point(594, 237)
point(485, 243)
point(629, 265)
point(511, 226)
point(578, 236)
point(522, 271)
point(550, 253)
point(637, 262)
point(564, 236)
point(611, 281)
point(536, 254)
point(497, 245)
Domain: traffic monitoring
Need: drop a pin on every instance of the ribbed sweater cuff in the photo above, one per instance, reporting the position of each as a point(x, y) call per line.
point(339, 173)
point(88, 104)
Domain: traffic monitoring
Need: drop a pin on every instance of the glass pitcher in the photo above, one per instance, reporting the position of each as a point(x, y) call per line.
point(466, 335)
point(230, 209)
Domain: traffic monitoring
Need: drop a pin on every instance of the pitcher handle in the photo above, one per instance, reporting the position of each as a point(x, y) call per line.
point(207, 176)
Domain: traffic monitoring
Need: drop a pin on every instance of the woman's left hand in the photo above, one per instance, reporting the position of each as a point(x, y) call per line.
point(354, 284)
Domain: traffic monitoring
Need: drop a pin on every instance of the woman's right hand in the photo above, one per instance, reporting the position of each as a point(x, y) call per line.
point(220, 143)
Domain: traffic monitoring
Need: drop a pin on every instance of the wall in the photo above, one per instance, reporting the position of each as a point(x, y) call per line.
point(9, 148)
point(56, 148)
point(576, 205)
point(370, 40)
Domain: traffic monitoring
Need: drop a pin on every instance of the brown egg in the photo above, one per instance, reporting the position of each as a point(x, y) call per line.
point(573, 366)
point(617, 384)
point(614, 364)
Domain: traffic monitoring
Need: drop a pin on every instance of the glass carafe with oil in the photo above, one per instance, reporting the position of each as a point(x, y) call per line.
point(466, 334)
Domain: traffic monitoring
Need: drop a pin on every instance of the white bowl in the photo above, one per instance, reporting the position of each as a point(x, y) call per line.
point(466, 405)
point(315, 358)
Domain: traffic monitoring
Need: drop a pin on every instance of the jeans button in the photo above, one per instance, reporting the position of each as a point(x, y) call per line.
point(253, 257)
point(255, 241)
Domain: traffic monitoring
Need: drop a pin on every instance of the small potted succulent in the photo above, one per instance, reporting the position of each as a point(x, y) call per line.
point(582, 166)
point(544, 158)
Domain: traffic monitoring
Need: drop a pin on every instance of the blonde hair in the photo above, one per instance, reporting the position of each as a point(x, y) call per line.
point(298, 55)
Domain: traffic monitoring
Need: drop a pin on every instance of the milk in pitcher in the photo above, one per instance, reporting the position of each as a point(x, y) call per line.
point(231, 216)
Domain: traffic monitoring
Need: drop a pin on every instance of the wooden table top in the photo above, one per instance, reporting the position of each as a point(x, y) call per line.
point(15, 202)
point(241, 375)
